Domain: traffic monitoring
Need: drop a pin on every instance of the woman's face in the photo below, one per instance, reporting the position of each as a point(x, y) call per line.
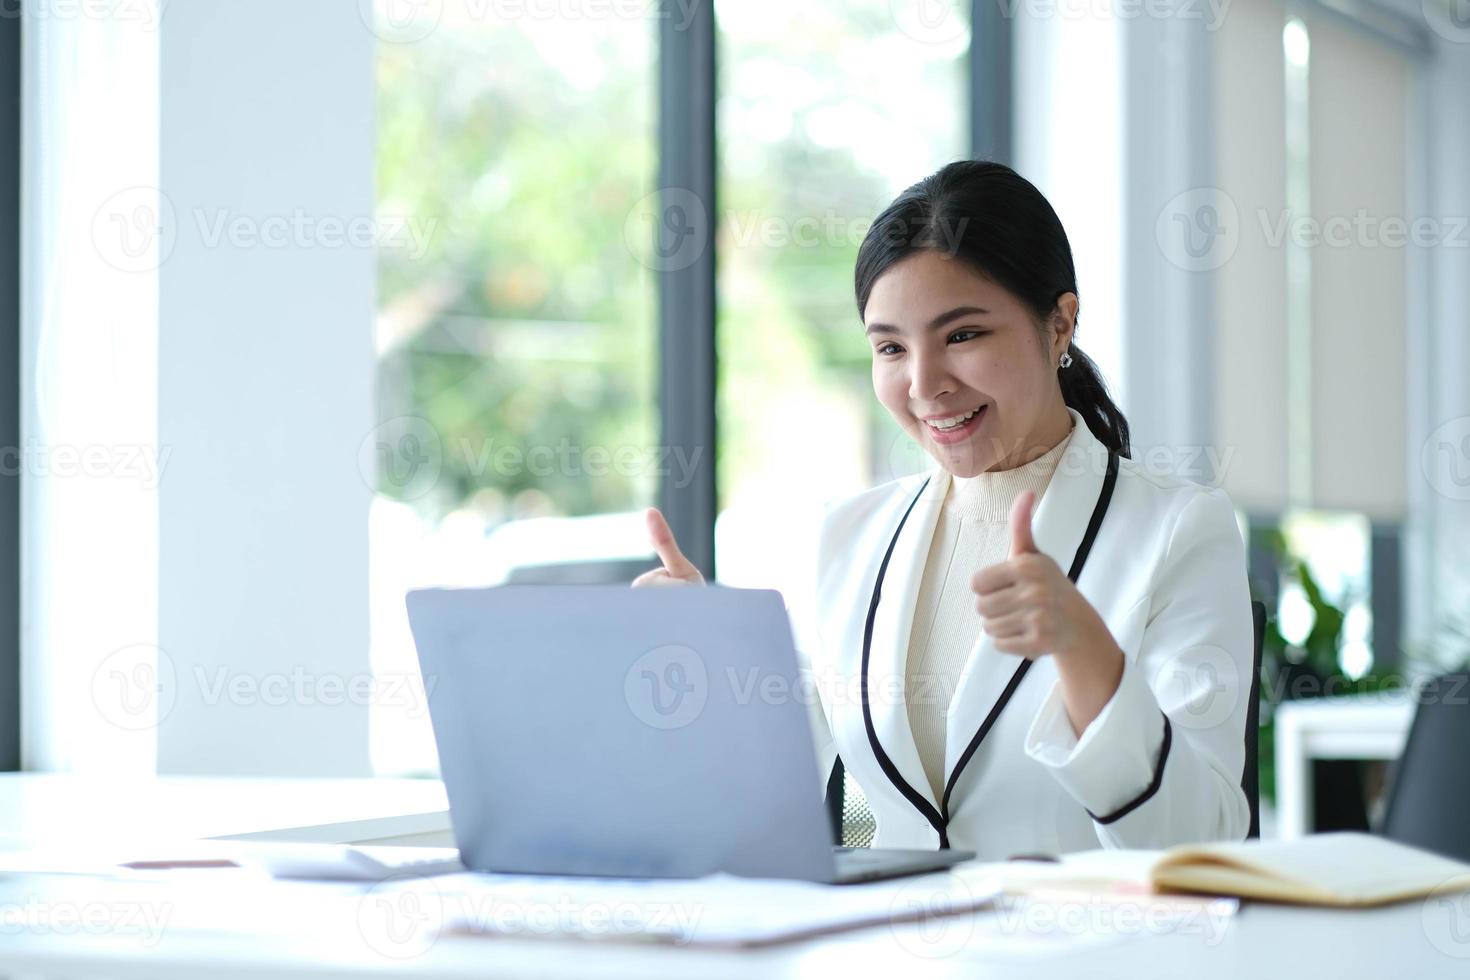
point(946, 341)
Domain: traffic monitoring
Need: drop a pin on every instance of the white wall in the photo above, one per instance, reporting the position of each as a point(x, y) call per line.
point(1113, 119)
point(1439, 455)
point(1168, 168)
point(1252, 351)
point(1069, 132)
point(265, 385)
point(198, 309)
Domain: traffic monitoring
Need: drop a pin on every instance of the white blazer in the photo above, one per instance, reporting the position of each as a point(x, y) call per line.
point(1161, 765)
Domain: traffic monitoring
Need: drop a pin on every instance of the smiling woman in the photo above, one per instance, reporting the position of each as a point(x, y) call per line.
point(968, 295)
point(1034, 547)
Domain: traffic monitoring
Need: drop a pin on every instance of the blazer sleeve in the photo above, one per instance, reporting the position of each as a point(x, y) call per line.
point(1161, 764)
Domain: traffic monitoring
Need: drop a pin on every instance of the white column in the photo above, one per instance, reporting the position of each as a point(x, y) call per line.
point(198, 381)
point(90, 460)
point(265, 385)
point(1172, 244)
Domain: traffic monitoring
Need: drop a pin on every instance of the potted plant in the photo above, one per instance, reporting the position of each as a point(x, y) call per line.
point(1308, 670)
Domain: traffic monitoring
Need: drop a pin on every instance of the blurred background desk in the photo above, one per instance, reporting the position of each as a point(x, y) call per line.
point(1360, 727)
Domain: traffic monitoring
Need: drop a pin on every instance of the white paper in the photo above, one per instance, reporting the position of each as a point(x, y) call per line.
point(721, 910)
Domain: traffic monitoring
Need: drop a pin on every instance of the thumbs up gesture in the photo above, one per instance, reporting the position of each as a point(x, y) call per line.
point(1022, 543)
point(1028, 605)
point(676, 569)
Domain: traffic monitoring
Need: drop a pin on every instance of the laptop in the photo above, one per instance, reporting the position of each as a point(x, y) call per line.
point(632, 733)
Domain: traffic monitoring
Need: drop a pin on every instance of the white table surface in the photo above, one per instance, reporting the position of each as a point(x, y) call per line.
point(306, 929)
point(1408, 940)
point(41, 809)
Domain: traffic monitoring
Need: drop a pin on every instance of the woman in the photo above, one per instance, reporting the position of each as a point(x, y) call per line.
point(1050, 646)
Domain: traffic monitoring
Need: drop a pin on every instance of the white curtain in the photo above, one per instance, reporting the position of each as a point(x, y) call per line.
point(91, 214)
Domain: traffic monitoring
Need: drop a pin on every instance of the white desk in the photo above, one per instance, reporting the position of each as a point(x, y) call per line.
point(38, 810)
point(319, 930)
point(1410, 940)
point(1372, 726)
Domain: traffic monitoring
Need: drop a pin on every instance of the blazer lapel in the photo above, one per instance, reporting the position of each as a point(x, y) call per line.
point(891, 628)
point(1058, 526)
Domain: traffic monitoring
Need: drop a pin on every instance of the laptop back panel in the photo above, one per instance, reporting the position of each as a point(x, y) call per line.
point(603, 730)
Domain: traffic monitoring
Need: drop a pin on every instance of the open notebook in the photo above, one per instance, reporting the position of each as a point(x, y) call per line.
point(1344, 869)
point(1339, 870)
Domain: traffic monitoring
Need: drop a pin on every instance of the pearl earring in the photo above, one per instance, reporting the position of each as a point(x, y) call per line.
point(1066, 359)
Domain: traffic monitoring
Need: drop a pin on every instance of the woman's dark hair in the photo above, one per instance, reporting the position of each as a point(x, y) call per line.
point(992, 218)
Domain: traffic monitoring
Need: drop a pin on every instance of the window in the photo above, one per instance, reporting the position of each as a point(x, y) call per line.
point(1336, 549)
point(827, 111)
point(518, 328)
point(518, 325)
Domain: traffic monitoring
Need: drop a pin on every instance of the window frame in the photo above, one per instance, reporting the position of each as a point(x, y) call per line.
point(10, 262)
point(686, 296)
point(688, 162)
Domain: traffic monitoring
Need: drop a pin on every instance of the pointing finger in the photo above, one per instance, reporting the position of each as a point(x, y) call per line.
point(666, 547)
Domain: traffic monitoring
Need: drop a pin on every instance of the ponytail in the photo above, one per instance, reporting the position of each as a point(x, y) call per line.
point(1085, 391)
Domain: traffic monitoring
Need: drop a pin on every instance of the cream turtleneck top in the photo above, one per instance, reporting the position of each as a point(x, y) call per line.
point(972, 533)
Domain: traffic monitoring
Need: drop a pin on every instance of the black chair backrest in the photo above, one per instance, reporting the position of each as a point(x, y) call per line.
point(1250, 777)
point(1429, 797)
point(835, 792)
point(609, 571)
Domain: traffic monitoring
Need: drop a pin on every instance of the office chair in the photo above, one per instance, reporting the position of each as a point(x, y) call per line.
point(853, 823)
point(608, 571)
point(1250, 777)
point(1429, 795)
point(852, 820)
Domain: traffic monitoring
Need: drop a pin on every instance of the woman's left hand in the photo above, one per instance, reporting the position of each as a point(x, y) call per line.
point(1031, 608)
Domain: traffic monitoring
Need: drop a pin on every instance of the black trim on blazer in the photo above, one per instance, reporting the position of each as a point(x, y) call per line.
point(939, 819)
point(1153, 787)
point(889, 769)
